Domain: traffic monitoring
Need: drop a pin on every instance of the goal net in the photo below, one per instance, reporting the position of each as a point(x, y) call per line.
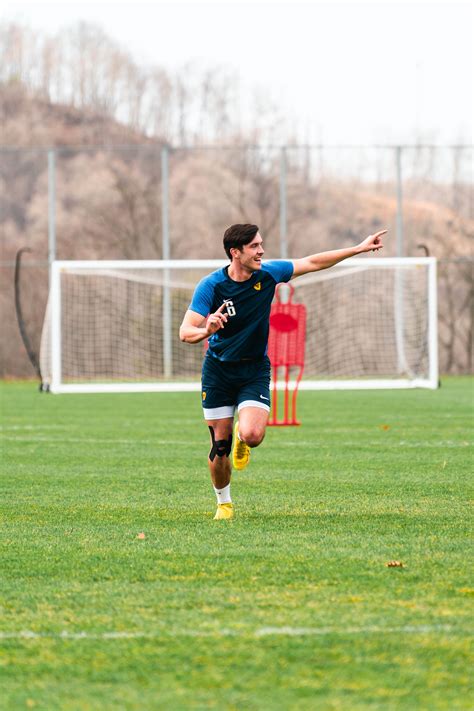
point(112, 326)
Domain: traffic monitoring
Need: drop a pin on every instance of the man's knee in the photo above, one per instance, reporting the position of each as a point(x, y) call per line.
point(221, 447)
point(251, 435)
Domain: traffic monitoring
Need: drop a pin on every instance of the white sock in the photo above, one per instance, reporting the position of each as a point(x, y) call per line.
point(223, 495)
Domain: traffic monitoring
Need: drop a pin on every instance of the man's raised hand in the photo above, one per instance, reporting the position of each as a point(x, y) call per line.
point(372, 243)
point(216, 320)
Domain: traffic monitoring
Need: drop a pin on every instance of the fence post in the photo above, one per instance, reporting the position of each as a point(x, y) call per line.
point(283, 205)
point(165, 254)
point(403, 366)
point(399, 223)
point(51, 211)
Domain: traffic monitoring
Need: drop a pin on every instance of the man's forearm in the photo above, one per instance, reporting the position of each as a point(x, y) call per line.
point(323, 260)
point(192, 329)
point(193, 334)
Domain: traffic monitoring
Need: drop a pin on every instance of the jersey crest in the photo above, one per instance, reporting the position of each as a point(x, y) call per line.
point(258, 286)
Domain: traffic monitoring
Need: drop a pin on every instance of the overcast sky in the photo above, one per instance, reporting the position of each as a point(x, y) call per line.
point(379, 72)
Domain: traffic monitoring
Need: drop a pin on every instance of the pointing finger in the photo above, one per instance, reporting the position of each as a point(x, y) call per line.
point(221, 307)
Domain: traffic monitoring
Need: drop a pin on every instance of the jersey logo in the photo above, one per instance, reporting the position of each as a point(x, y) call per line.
point(230, 308)
point(258, 286)
point(204, 395)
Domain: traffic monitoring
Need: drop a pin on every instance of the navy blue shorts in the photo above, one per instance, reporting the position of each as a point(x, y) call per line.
point(227, 385)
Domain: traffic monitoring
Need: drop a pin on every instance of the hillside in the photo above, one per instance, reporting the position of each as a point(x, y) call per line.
point(108, 205)
point(28, 121)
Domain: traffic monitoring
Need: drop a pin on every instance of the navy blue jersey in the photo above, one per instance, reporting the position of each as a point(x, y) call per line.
point(245, 335)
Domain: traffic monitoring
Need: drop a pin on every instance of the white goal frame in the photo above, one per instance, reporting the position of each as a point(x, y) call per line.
point(57, 386)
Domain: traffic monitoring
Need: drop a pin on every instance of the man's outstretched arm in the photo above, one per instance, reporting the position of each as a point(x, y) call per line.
point(323, 260)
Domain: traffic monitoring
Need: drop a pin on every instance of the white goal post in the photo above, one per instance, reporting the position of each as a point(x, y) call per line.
point(112, 326)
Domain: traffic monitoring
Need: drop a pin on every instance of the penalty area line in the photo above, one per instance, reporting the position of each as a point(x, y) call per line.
point(258, 633)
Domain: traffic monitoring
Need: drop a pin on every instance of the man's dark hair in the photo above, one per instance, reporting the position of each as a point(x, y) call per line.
point(238, 236)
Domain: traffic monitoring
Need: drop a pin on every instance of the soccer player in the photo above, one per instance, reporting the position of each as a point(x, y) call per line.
point(231, 307)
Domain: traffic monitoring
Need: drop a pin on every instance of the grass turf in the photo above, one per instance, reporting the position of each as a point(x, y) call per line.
point(289, 606)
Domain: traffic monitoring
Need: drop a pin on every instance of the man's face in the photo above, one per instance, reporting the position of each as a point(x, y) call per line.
point(251, 255)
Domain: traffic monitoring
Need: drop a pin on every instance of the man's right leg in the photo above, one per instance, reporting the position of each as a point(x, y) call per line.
point(219, 464)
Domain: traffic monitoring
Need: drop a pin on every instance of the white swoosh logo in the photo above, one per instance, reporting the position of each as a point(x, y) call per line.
point(264, 398)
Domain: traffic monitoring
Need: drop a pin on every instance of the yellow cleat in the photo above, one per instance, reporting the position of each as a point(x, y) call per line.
point(241, 452)
point(224, 511)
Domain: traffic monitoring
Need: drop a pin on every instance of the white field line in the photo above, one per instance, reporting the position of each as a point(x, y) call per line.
point(384, 445)
point(257, 633)
point(32, 427)
point(85, 440)
point(315, 631)
point(310, 443)
point(330, 424)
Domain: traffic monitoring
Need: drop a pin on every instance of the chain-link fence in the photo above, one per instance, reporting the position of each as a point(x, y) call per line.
point(151, 201)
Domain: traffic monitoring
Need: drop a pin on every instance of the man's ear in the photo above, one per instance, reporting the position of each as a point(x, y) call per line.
point(234, 251)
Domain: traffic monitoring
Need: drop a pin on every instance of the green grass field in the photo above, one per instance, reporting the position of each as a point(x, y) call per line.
point(289, 606)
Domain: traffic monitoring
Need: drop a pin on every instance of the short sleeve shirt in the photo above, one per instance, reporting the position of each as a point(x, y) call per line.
point(248, 303)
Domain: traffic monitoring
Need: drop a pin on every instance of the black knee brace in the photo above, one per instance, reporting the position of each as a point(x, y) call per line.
point(221, 447)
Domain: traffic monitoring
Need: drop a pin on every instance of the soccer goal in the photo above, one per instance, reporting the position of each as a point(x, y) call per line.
point(112, 326)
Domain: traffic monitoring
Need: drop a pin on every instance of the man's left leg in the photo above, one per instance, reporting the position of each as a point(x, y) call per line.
point(252, 425)
point(249, 432)
point(253, 405)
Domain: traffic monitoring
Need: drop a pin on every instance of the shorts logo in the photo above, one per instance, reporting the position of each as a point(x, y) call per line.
point(258, 286)
point(204, 395)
